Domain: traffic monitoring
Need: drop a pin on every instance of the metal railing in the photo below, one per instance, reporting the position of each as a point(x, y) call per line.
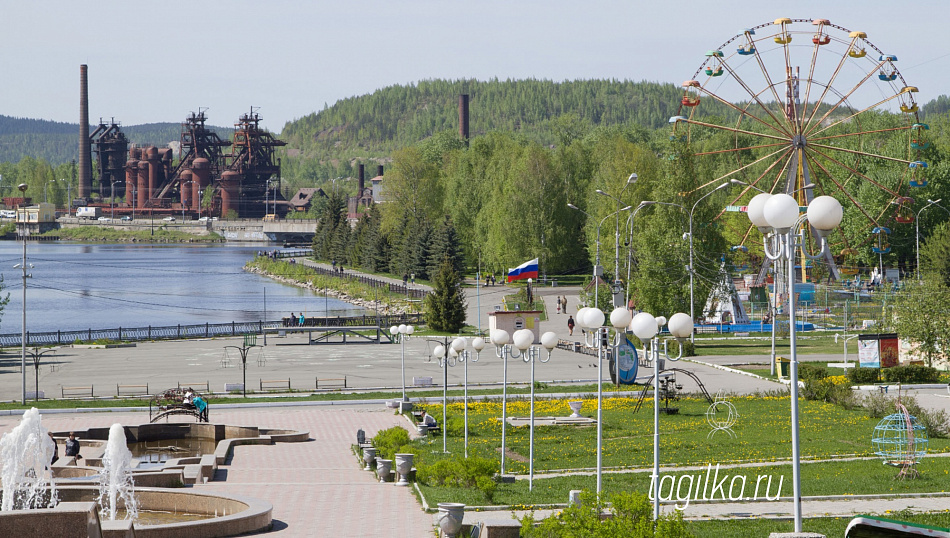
point(181, 332)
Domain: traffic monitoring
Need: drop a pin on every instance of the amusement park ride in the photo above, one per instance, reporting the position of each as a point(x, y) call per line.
point(807, 102)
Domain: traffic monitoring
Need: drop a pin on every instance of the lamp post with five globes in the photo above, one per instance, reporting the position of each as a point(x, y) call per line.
point(460, 345)
point(402, 332)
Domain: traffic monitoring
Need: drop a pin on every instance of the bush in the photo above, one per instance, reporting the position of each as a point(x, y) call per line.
point(878, 405)
point(471, 472)
point(911, 374)
point(936, 421)
point(631, 516)
point(391, 441)
point(807, 371)
point(826, 390)
point(864, 375)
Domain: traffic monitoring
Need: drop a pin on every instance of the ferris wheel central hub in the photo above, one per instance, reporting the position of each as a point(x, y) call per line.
point(799, 142)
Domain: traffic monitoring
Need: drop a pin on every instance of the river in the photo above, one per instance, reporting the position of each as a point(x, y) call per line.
point(96, 286)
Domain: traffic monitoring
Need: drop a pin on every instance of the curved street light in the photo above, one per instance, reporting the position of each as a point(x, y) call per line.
point(402, 333)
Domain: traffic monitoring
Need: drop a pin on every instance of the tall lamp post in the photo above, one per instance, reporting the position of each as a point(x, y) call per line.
point(460, 345)
point(447, 357)
point(596, 336)
point(22, 187)
point(598, 270)
point(630, 180)
point(522, 340)
point(777, 217)
point(646, 327)
point(917, 221)
point(500, 338)
point(402, 333)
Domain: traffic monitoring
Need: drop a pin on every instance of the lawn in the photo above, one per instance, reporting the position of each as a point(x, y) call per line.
point(805, 345)
point(763, 435)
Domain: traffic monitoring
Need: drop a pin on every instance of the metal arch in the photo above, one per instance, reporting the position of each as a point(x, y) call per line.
point(695, 378)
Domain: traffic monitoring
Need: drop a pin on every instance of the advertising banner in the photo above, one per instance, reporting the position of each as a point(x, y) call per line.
point(889, 350)
point(869, 355)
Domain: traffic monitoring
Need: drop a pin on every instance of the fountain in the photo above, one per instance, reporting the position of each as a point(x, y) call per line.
point(115, 480)
point(27, 451)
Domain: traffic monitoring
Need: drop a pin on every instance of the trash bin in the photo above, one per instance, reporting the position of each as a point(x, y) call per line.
point(781, 364)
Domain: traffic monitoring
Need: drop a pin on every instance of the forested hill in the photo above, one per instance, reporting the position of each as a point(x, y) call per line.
point(399, 115)
point(58, 143)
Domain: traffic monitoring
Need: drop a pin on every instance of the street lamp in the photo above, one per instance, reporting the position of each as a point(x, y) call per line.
point(447, 357)
point(499, 338)
point(598, 270)
point(646, 327)
point(692, 313)
point(22, 187)
point(112, 197)
point(459, 345)
point(523, 339)
point(596, 336)
point(777, 217)
point(402, 333)
point(917, 221)
point(630, 180)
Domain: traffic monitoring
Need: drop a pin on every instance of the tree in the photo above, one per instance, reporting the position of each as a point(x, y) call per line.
point(922, 314)
point(445, 306)
point(935, 254)
point(444, 242)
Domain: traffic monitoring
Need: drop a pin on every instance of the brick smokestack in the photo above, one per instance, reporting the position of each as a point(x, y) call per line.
point(463, 117)
point(362, 180)
point(85, 152)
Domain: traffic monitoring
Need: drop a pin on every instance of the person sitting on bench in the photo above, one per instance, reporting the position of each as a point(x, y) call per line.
point(428, 420)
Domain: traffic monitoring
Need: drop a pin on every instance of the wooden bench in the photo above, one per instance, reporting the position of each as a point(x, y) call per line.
point(329, 382)
point(275, 384)
point(131, 390)
point(200, 386)
point(77, 392)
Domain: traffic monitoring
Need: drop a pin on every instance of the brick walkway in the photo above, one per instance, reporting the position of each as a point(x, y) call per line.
point(317, 487)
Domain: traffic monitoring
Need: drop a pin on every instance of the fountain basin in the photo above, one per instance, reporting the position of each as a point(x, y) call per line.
point(228, 515)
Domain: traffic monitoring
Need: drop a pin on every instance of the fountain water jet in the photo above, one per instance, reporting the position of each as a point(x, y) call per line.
point(27, 451)
point(115, 481)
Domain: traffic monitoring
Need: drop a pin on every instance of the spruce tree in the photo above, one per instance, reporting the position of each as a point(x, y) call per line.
point(445, 306)
point(444, 241)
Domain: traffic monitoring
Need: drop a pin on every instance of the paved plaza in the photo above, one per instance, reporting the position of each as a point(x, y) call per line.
point(317, 488)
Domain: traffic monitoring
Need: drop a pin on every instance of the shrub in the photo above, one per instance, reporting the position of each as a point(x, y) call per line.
point(390, 441)
point(630, 517)
point(461, 472)
point(878, 405)
point(826, 390)
point(807, 371)
point(911, 374)
point(864, 375)
point(936, 421)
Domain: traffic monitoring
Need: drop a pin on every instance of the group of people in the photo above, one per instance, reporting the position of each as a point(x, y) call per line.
point(72, 447)
point(337, 268)
point(561, 303)
point(295, 320)
point(490, 280)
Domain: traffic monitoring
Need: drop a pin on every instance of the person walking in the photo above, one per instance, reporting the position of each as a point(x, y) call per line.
point(570, 325)
point(564, 304)
point(558, 301)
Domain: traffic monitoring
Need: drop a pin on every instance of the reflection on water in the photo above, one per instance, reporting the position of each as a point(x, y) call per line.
point(155, 517)
point(81, 286)
point(156, 453)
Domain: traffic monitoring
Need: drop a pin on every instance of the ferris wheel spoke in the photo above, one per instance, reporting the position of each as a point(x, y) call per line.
point(855, 172)
point(831, 81)
point(741, 168)
point(842, 100)
point(765, 73)
point(732, 150)
point(852, 116)
point(842, 189)
point(735, 130)
point(755, 97)
point(859, 133)
point(745, 113)
point(861, 153)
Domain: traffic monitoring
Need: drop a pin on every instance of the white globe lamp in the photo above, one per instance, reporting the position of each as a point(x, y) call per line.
point(825, 213)
point(756, 209)
point(781, 212)
point(579, 317)
point(523, 339)
point(644, 326)
point(620, 317)
point(549, 340)
point(681, 325)
point(478, 343)
point(594, 318)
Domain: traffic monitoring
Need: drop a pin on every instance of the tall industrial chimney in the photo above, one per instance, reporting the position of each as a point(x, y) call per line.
point(362, 179)
point(85, 152)
point(379, 170)
point(463, 117)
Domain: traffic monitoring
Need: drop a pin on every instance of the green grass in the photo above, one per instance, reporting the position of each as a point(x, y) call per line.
point(739, 346)
point(763, 435)
point(829, 526)
point(110, 235)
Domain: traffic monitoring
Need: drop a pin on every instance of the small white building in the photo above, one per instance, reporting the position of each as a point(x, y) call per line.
point(512, 321)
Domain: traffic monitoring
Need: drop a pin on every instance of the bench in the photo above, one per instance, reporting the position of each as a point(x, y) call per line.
point(231, 387)
point(328, 382)
point(200, 386)
point(422, 381)
point(275, 384)
point(131, 390)
point(77, 392)
point(34, 395)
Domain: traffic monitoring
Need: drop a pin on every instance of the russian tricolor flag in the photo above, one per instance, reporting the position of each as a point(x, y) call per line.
point(523, 271)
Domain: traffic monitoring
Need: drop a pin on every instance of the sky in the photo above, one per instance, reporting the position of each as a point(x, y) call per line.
point(158, 61)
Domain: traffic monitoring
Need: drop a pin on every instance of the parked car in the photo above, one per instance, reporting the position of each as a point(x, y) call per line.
point(127, 217)
point(169, 219)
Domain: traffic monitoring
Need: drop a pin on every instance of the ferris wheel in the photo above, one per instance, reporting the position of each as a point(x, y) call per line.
point(808, 108)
